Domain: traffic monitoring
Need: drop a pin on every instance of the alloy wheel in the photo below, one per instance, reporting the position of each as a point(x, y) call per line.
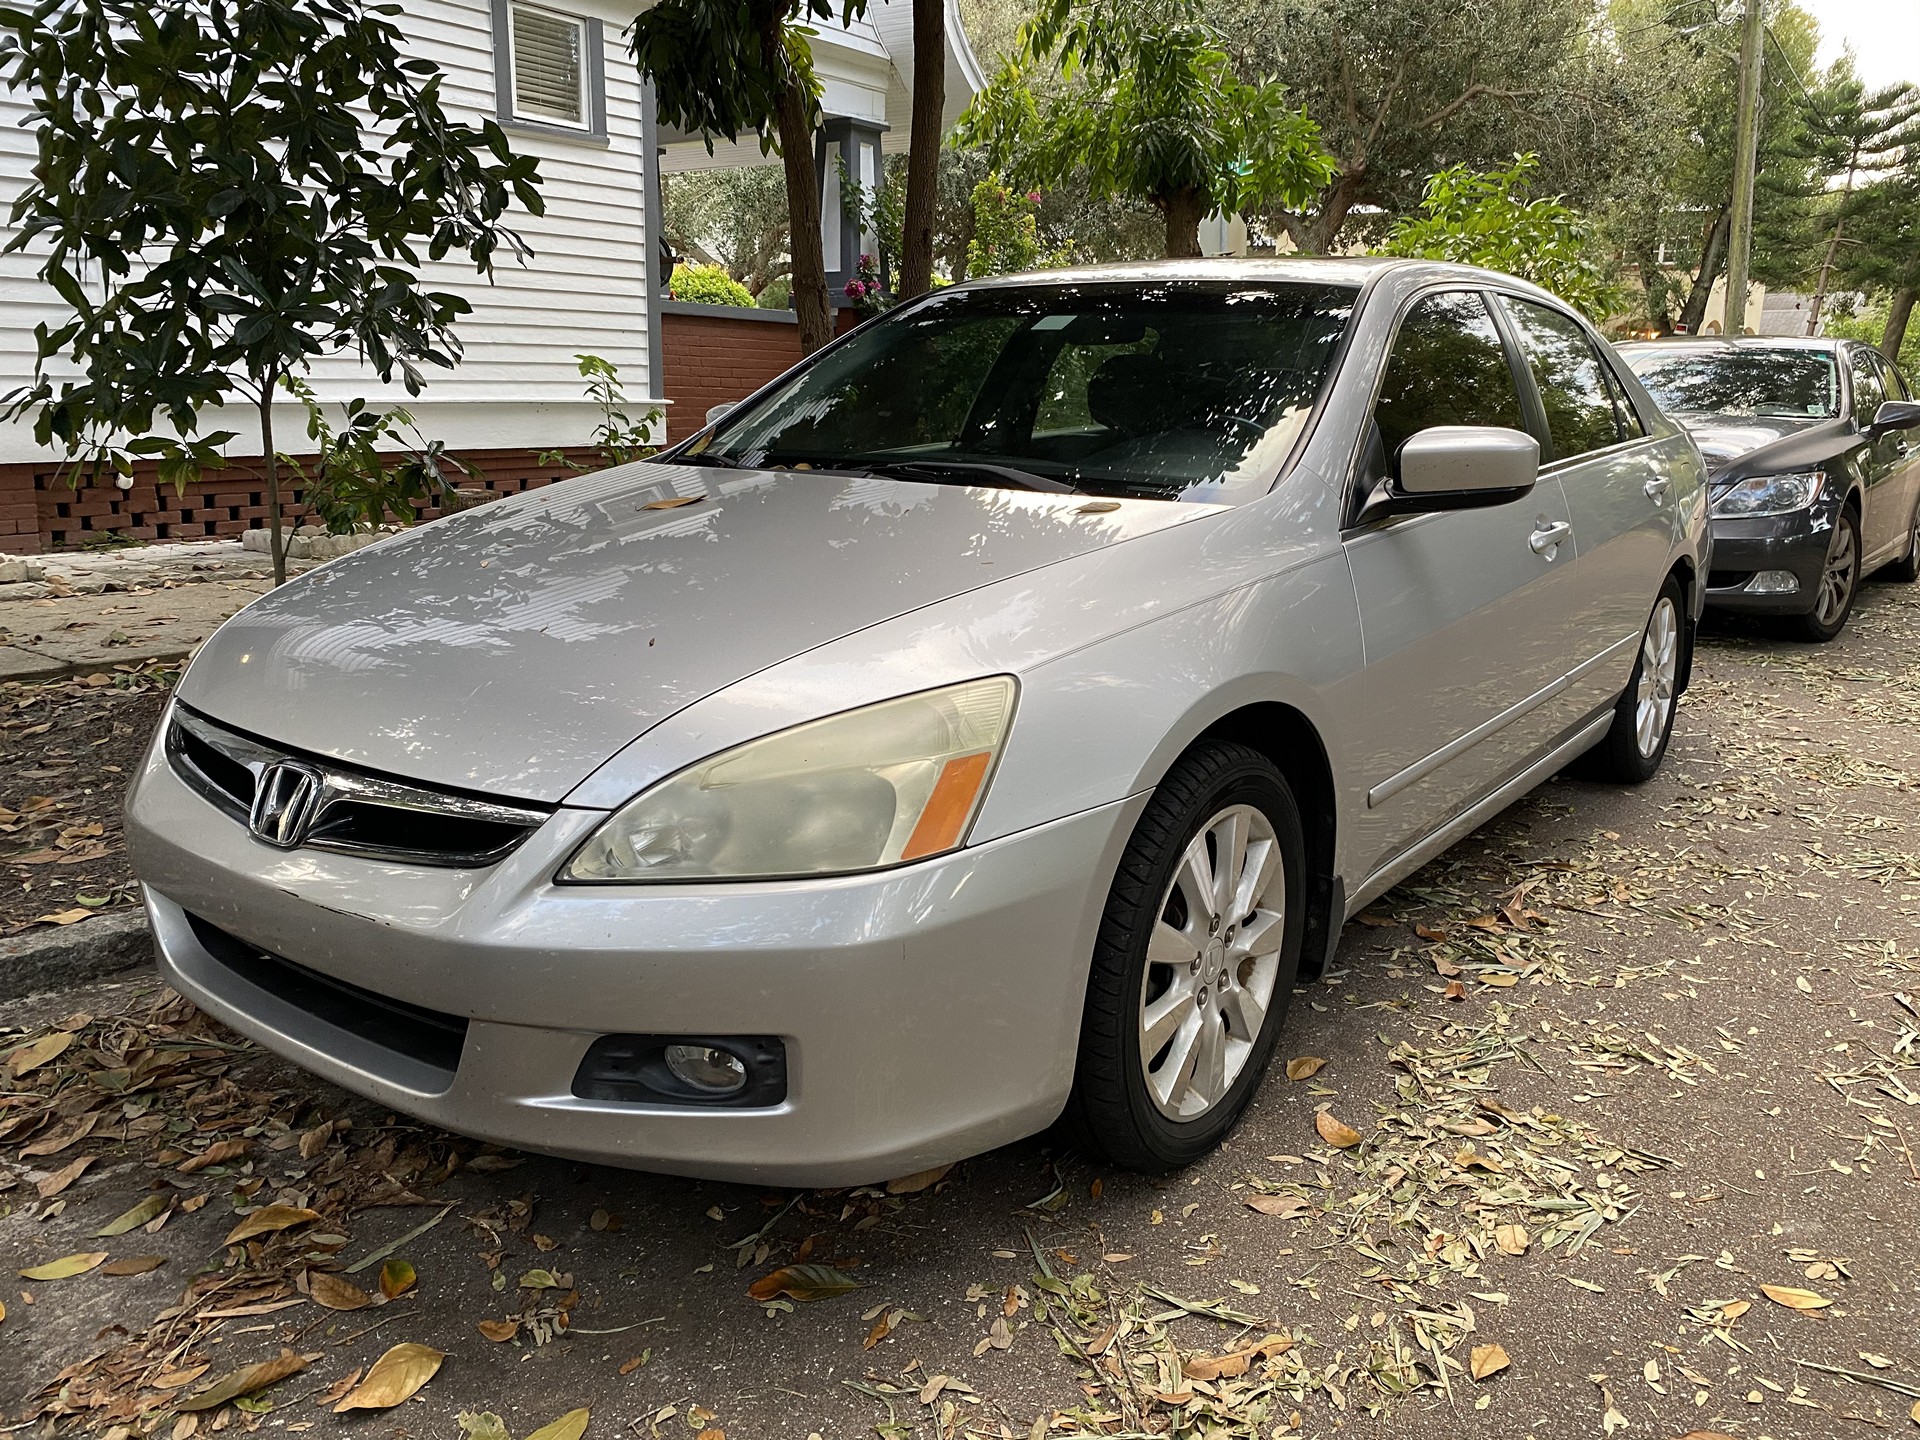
point(1212, 962)
point(1837, 579)
point(1659, 671)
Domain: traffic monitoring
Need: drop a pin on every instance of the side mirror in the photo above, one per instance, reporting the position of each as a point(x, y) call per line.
point(1459, 467)
point(1895, 415)
point(716, 413)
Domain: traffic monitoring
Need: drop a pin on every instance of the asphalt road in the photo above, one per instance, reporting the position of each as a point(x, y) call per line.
point(1616, 1063)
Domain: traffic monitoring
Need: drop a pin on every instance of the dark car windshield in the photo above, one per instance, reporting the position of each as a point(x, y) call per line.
point(1174, 390)
point(1740, 380)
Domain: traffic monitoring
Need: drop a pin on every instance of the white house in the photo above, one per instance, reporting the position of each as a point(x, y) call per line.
point(556, 74)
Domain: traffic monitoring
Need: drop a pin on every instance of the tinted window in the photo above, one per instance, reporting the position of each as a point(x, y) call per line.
point(1868, 392)
point(1448, 367)
point(1172, 390)
point(1573, 389)
point(1631, 426)
point(1897, 387)
point(1695, 379)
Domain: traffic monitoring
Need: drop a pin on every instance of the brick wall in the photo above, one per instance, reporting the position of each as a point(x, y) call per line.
point(40, 510)
point(716, 353)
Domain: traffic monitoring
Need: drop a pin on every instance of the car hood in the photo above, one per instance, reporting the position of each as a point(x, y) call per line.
point(1724, 439)
point(511, 649)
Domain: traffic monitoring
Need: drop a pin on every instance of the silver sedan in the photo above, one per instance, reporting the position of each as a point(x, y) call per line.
point(991, 720)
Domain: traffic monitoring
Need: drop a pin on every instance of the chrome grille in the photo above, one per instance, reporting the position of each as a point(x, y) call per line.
point(339, 809)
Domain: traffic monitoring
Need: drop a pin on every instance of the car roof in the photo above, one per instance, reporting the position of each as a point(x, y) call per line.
point(1823, 344)
point(1322, 269)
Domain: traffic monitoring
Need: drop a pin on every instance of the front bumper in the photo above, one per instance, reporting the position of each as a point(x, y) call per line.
point(1795, 543)
point(928, 1013)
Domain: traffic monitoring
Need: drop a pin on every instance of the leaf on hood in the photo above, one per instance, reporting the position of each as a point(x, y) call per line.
point(1794, 1298)
point(673, 502)
point(920, 1180)
point(1304, 1067)
point(66, 1267)
point(149, 1209)
point(269, 1219)
point(245, 1381)
point(1336, 1133)
point(570, 1426)
point(36, 1053)
point(394, 1378)
point(803, 1282)
point(334, 1292)
point(1487, 1360)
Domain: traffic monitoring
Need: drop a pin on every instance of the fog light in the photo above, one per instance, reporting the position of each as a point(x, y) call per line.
point(711, 1071)
point(1773, 582)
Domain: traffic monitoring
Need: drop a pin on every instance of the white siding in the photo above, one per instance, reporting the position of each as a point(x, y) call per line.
point(583, 290)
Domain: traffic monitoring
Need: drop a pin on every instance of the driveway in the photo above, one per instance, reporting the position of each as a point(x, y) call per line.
point(1605, 1124)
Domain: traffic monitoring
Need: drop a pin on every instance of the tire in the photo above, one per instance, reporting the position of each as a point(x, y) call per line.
point(1635, 744)
point(1906, 570)
point(1134, 1109)
point(1839, 585)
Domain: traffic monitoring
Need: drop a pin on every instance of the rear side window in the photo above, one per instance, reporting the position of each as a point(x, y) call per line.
point(1582, 414)
point(1895, 382)
point(1868, 392)
point(1448, 367)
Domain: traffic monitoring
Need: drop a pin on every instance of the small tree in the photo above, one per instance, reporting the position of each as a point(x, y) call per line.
point(1853, 133)
point(229, 189)
point(1146, 104)
point(1485, 218)
point(1887, 260)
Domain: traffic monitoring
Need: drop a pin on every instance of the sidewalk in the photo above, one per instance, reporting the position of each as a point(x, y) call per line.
point(73, 614)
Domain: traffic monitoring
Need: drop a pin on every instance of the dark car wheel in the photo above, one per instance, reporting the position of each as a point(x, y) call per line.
point(1195, 962)
point(1636, 742)
point(1907, 568)
point(1839, 583)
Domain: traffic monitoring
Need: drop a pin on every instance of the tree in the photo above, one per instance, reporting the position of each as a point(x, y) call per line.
point(1145, 104)
point(1851, 131)
point(922, 199)
point(1485, 218)
point(733, 218)
point(723, 68)
point(1884, 255)
point(229, 189)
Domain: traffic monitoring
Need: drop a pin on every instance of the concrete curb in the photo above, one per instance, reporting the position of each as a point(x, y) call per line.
point(17, 663)
point(71, 955)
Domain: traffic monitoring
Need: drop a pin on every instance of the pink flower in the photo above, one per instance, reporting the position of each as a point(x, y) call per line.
point(1033, 197)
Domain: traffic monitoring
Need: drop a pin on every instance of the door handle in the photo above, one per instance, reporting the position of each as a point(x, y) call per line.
point(1657, 486)
point(1548, 537)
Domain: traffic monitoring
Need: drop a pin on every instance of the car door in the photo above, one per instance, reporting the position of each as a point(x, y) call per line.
point(1618, 491)
point(1882, 521)
point(1465, 615)
point(1903, 486)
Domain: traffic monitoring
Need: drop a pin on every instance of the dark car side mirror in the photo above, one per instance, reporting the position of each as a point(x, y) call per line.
point(1458, 467)
point(1895, 415)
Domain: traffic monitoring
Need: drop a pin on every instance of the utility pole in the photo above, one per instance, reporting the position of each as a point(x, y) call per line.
point(1746, 156)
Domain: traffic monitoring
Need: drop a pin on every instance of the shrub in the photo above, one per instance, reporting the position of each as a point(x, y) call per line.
point(708, 285)
point(778, 294)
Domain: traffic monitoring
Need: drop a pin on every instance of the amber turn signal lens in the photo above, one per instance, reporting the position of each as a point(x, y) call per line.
point(948, 806)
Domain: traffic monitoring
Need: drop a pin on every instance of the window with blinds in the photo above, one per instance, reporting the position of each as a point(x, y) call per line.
point(549, 67)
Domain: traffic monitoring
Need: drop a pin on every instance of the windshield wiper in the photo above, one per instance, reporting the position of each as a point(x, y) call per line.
point(1007, 474)
point(704, 458)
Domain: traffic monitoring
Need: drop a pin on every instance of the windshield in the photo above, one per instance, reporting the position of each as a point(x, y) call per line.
point(1172, 390)
point(1784, 383)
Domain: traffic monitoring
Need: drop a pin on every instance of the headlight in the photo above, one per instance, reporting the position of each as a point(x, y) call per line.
point(893, 782)
point(1768, 495)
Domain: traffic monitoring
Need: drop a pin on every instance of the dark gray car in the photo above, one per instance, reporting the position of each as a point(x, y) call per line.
point(1814, 469)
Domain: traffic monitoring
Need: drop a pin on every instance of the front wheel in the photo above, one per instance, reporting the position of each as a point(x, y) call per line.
point(1636, 742)
point(1839, 584)
point(1195, 962)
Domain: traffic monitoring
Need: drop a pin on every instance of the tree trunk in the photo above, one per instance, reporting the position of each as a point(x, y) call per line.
point(923, 147)
point(1184, 210)
point(793, 127)
point(1898, 314)
point(1713, 254)
point(1826, 275)
point(276, 531)
point(1315, 232)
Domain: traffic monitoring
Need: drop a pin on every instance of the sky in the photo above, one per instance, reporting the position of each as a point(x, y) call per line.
point(1884, 36)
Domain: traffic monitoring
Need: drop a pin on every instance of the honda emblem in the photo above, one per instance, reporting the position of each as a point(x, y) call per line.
point(286, 798)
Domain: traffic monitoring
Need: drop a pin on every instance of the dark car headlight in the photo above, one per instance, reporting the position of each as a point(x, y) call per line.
point(1768, 495)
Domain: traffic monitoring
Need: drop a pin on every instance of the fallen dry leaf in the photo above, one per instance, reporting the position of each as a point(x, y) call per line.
point(1913, 1414)
point(1487, 1360)
point(217, 1153)
point(918, 1181)
point(499, 1331)
point(51, 1185)
point(269, 1219)
point(245, 1381)
point(66, 1267)
point(1337, 1134)
point(396, 1278)
point(1287, 1207)
point(1304, 1067)
point(673, 502)
point(36, 1053)
point(149, 1209)
point(1794, 1298)
point(133, 1265)
point(334, 1292)
point(1512, 1239)
point(803, 1282)
point(1235, 1362)
point(570, 1426)
point(394, 1378)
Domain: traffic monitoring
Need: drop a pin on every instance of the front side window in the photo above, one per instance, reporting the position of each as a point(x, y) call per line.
point(548, 70)
point(1448, 367)
point(1189, 390)
point(1868, 391)
point(1581, 415)
point(1782, 382)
